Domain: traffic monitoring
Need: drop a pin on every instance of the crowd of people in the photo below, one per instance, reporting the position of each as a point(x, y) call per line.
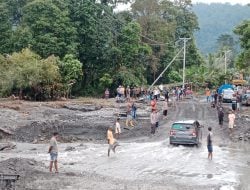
point(152, 96)
point(159, 109)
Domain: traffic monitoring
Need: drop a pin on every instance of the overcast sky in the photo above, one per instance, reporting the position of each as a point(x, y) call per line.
point(243, 2)
point(223, 1)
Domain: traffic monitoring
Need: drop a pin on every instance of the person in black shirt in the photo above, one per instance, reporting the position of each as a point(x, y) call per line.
point(210, 144)
point(220, 116)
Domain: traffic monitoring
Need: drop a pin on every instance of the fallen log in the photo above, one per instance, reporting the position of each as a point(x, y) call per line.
point(5, 131)
point(8, 146)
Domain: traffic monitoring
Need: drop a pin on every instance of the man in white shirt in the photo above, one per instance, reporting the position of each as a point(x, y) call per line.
point(117, 128)
point(231, 119)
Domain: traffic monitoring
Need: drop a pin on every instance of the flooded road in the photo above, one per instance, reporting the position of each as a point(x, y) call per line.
point(153, 163)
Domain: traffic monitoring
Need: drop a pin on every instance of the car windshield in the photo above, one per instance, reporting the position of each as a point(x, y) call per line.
point(182, 126)
point(228, 91)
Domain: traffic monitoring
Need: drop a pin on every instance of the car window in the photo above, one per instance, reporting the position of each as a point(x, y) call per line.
point(182, 126)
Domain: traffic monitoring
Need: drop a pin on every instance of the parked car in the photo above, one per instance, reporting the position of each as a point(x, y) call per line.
point(246, 99)
point(227, 95)
point(186, 132)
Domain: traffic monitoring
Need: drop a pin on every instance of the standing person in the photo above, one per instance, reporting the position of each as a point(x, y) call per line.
point(231, 118)
point(155, 92)
point(122, 92)
point(153, 104)
point(111, 141)
point(220, 99)
point(174, 101)
point(129, 114)
point(117, 128)
point(53, 151)
point(133, 110)
point(153, 120)
point(220, 116)
point(208, 93)
point(215, 97)
point(107, 93)
point(166, 93)
point(210, 143)
point(118, 90)
point(239, 100)
point(165, 108)
point(128, 92)
point(157, 120)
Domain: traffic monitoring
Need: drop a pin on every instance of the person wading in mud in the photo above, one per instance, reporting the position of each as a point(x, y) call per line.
point(208, 94)
point(165, 108)
point(231, 118)
point(220, 116)
point(153, 120)
point(129, 120)
point(174, 101)
point(117, 128)
point(106, 93)
point(210, 143)
point(53, 151)
point(153, 104)
point(111, 141)
point(157, 120)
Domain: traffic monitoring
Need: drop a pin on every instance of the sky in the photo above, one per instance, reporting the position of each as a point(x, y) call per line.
point(242, 2)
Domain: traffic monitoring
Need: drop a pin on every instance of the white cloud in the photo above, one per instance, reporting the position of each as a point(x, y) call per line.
point(243, 2)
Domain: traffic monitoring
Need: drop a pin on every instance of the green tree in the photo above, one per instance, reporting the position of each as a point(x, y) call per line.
point(5, 29)
point(71, 72)
point(51, 29)
point(130, 66)
point(27, 71)
point(243, 60)
point(163, 23)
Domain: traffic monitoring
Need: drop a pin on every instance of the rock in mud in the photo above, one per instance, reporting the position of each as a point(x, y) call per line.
point(70, 148)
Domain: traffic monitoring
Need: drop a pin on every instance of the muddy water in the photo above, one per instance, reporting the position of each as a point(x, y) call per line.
point(154, 164)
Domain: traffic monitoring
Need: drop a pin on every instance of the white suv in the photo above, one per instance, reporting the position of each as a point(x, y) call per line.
point(227, 95)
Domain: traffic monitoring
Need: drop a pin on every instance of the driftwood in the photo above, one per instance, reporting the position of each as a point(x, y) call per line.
point(5, 131)
point(8, 146)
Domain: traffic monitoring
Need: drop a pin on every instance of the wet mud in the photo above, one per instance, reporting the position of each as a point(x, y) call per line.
point(141, 162)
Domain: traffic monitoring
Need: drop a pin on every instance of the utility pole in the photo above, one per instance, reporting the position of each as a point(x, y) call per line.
point(165, 69)
point(184, 60)
point(225, 57)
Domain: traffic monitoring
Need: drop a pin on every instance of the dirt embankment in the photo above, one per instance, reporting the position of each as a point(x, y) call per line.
point(77, 120)
point(87, 120)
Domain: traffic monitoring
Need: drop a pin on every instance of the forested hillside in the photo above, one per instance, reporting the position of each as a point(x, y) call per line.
point(53, 48)
point(216, 19)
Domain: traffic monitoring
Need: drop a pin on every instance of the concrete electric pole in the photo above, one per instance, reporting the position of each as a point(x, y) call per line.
point(225, 56)
point(184, 60)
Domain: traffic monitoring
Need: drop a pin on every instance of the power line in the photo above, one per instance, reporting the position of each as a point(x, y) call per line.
point(123, 24)
point(165, 68)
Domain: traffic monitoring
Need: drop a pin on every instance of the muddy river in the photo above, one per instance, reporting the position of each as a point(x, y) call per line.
point(145, 162)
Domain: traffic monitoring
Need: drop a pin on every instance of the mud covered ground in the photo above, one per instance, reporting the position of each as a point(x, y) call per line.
point(141, 162)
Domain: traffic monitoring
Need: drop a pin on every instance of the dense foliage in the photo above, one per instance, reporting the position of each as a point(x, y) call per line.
point(27, 75)
point(243, 60)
